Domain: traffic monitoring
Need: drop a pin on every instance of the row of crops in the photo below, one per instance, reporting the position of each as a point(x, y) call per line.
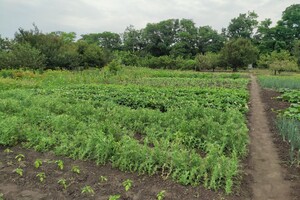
point(186, 126)
point(288, 121)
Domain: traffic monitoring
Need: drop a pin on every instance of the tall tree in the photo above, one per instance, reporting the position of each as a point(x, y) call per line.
point(159, 37)
point(288, 28)
point(91, 38)
point(109, 40)
point(65, 36)
point(185, 40)
point(239, 53)
point(264, 37)
point(243, 25)
point(296, 51)
point(209, 40)
point(291, 19)
point(132, 39)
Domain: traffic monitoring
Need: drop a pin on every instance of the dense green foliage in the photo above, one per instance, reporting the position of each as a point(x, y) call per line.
point(239, 53)
point(278, 62)
point(33, 49)
point(168, 44)
point(183, 125)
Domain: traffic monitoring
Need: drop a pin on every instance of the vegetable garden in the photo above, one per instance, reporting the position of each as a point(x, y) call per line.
point(185, 126)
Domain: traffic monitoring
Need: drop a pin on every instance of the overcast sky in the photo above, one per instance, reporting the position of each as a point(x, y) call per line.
point(94, 16)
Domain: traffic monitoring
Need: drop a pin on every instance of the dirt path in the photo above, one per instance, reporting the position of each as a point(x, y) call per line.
point(268, 175)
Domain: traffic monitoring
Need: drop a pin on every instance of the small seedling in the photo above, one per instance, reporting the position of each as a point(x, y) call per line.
point(127, 184)
point(161, 195)
point(114, 197)
point(63, 182)
point(19, 171)
point(75, 169)
point(10, 163)
point(1, 196)
point(60, 164)
point(87, 190)
point(37, 163)
point(7, 150)
point(103, 179)
point(41, 176)
point(19, 157)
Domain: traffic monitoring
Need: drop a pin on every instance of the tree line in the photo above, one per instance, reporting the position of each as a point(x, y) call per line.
point(172, 44)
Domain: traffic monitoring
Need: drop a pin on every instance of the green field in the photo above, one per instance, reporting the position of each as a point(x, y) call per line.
point(187, 126)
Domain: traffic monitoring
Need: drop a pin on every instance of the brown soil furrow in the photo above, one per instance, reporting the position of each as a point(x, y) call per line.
point(266, 170)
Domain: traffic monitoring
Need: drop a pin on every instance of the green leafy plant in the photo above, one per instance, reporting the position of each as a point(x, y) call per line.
point(38, 163)
point(7, 150)
point(60, 164)
point(103, 179)
point(75, 169)
point(114, 197)
point(19, 171)
point(19, 157)
point(127, 184)
point(63, 183)
point(41, 176)
point(161, 195)
point(87, 190)
point(1, 196)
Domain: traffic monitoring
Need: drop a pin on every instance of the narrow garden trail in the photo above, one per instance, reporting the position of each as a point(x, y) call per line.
point(268, 175)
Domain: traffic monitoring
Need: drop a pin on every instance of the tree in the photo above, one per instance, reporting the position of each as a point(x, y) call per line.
point(132, 39)
point(22, 56)
point(92, 38)
point(5, 44)
point(296, 51)
point(94, 56)
point(283, 65)
point(239, 53)
point(67, 57)
point(209, 40)
point(278, 61)
point(110, 41)
point(107, 40)
point(185, 39)
point(242, 26)
point(265, 37)
point(159, 37)
point(47, 44)
point(287, 29)
point(66, 37)
point(208, 61)
point(291, 19)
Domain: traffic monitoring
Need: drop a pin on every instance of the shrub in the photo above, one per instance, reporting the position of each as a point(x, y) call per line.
point(127, 58)
point(209, 61)
point(22, 56)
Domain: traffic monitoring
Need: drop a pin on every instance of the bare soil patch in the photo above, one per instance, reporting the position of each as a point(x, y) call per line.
point(268, 174)
point(144, 187)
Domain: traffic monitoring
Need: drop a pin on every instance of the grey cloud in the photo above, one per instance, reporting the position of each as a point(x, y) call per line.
point(86, 16)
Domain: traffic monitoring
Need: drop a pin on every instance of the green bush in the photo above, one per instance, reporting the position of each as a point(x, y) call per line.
point(127, 58)
point(94, 56)
point(67, 57)
point(22, 56)
point(188, 64)
point(209, 61)
point(162, 62)
point(278, 61)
